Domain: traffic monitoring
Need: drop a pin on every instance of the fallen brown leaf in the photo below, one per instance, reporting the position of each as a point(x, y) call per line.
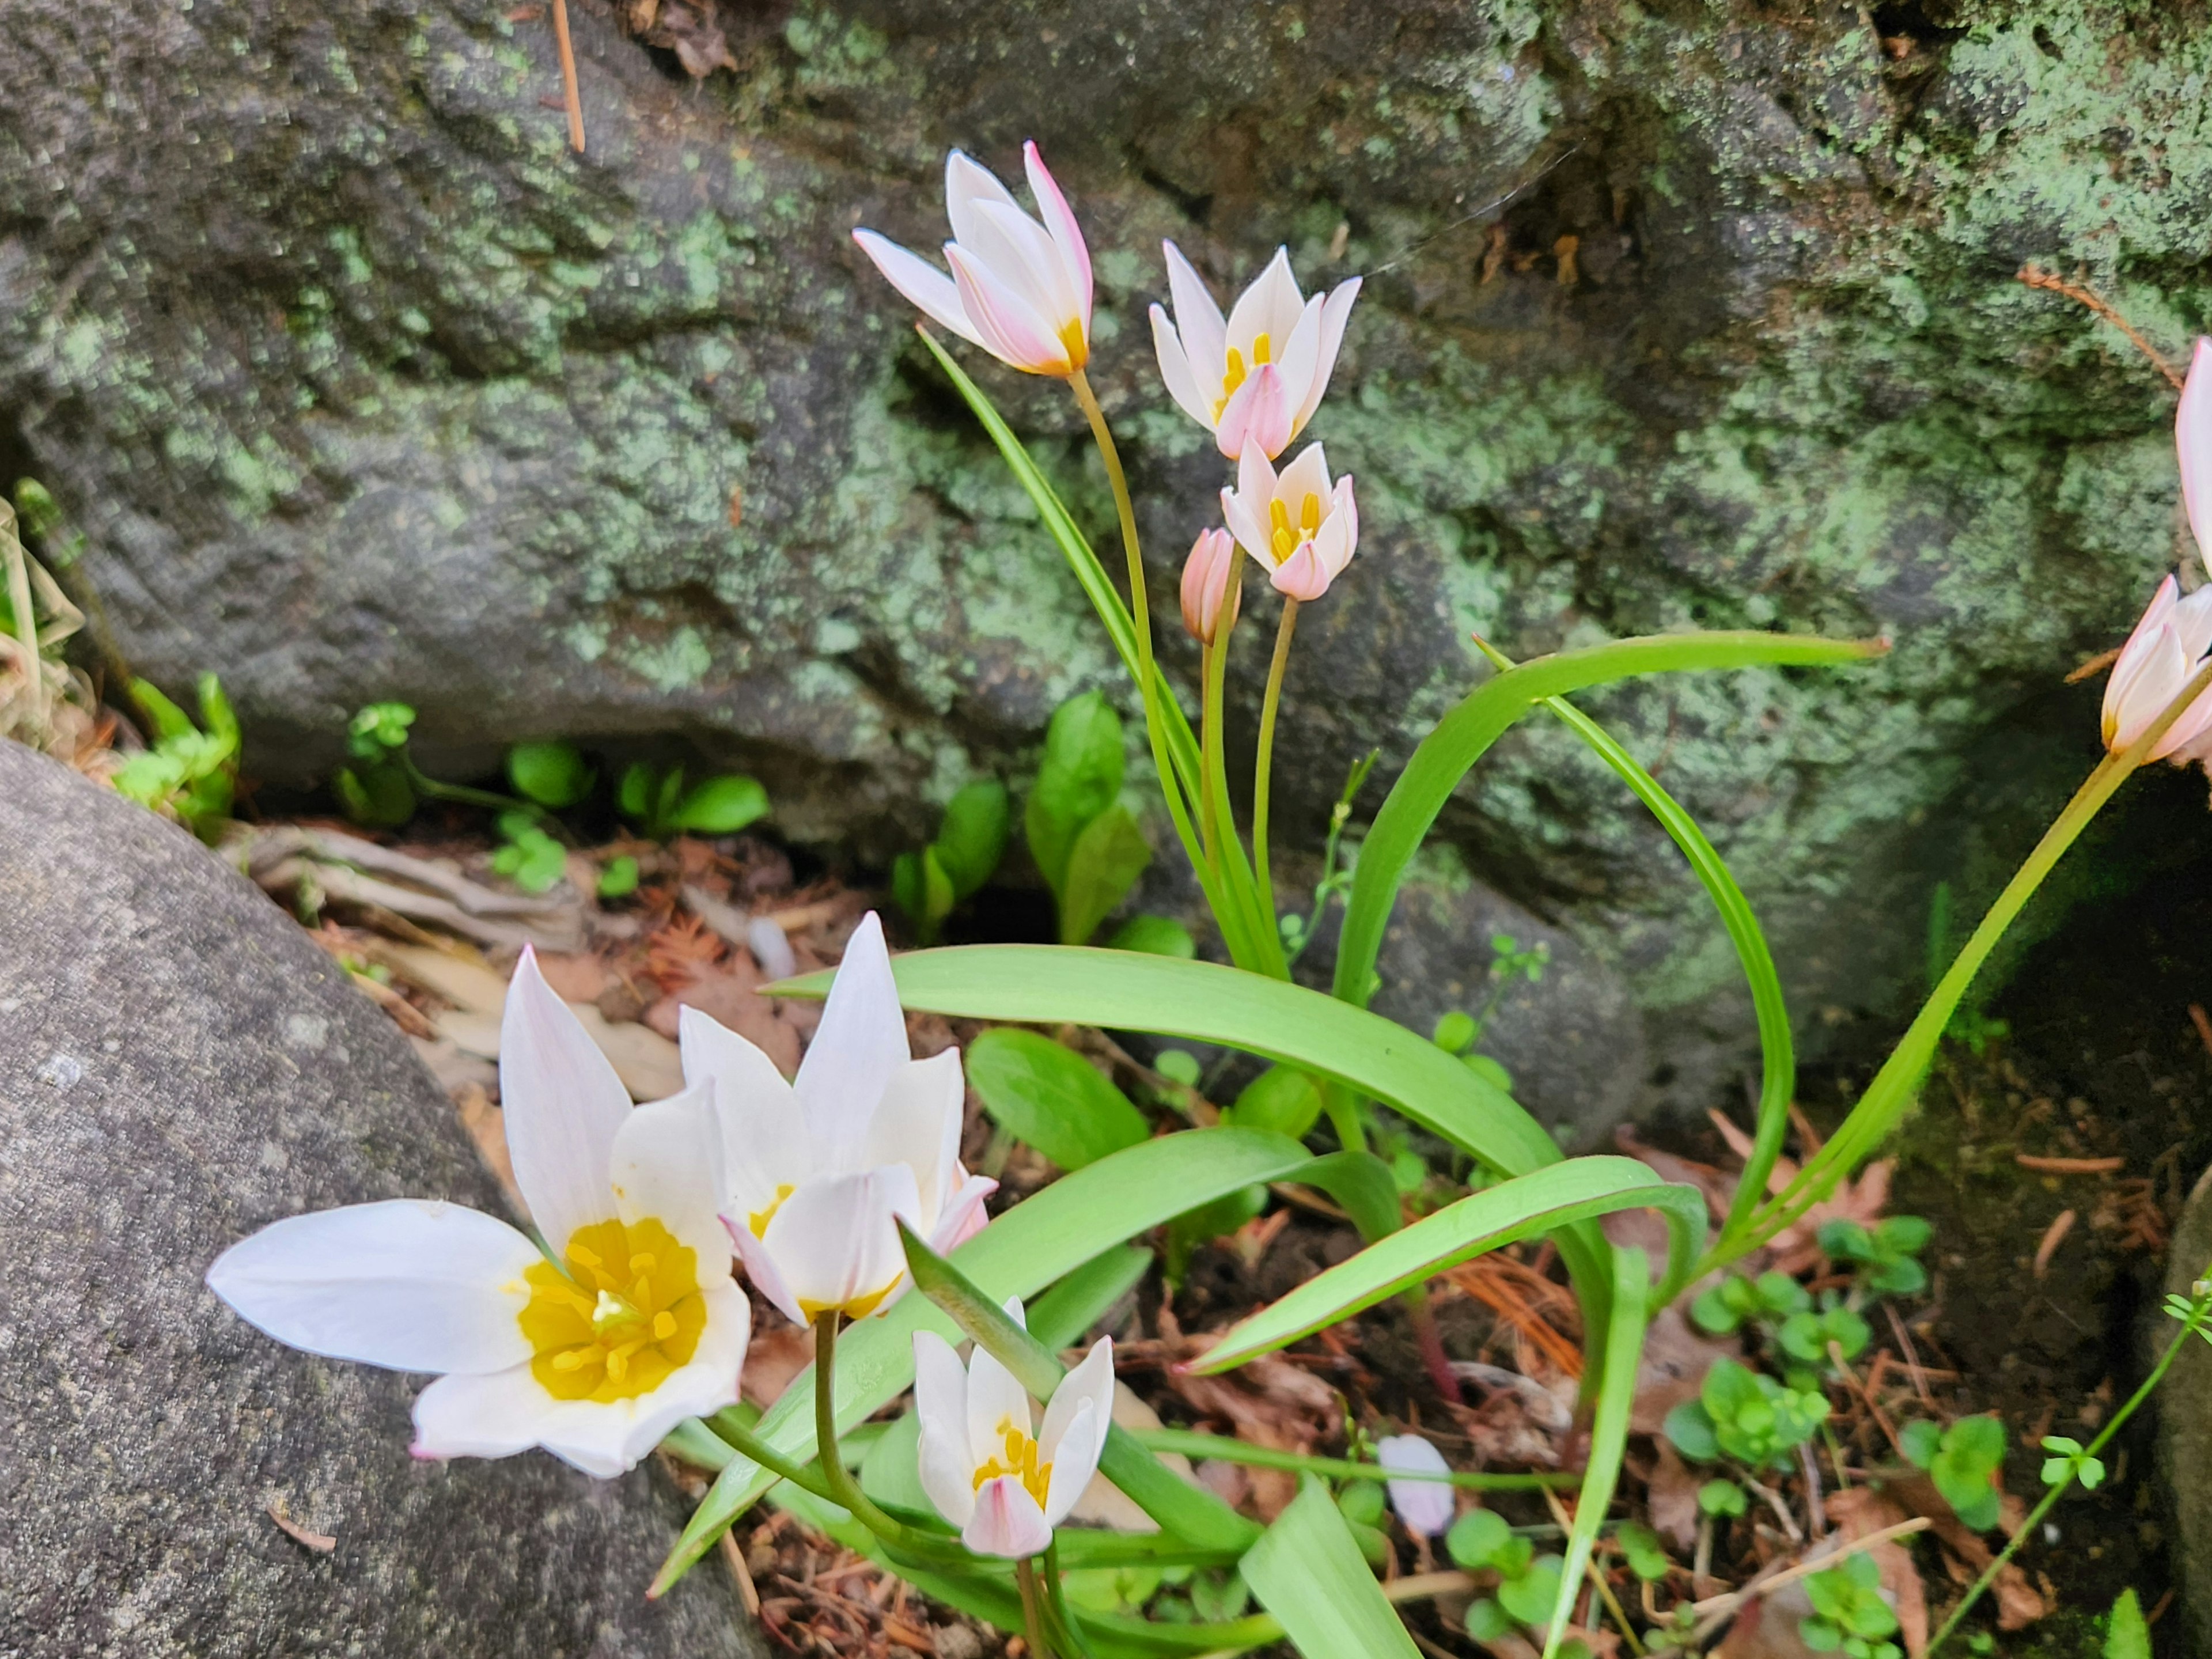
point(778, 1352)
point(1673, 1499)
point(1859, 1513)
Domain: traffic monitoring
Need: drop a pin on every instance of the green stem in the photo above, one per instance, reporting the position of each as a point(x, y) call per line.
point(2189, 1328)
point(1032, 1609)
point(1263, 770)
point(724, 1426)
point(842, 1489)
point(1213, 737)
point(431, 789)
point(1063, 1622)
point(1211, 672)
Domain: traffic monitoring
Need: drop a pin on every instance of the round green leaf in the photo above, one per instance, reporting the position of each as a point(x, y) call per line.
point(721, 806)
point(551, 773)
point(1051, 1097)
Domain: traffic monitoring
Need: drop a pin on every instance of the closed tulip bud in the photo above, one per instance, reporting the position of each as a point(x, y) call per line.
point(2192, 436)
point(2156, 664)
point(1208, 601)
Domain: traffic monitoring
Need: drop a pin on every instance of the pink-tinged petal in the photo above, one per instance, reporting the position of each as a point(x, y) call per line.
point(1205, 585)
point(968, 185)
point(2185, 730)
point(964, 1215)
point(1270, 307)
point(859, 1045)
point(407, 1283)
point(1297, 356)
point(1267, 416)
point(1302, 576)
point(562, 1105)
point(834, 1242)
point(1006, 1523)
point(2191, 619)
point(760, 1268)
point(1059, 222)
point(2134, 700)
point(2143, 644)
point(1198, 320)
point(1343, 504)
point(1335, 312)
point(2192, 434)
point(1229, 431)
point(1022, 257)
point(1175, 371)
point(667, 1167)
point(921, 282)
point(1010, 329)
point(1306, 476)
point(1425, 1506)
point(1332, 545)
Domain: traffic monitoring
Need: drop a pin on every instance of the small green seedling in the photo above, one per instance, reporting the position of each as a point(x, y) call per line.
point(1527, 1583)
point(1737, 1300)
point(618, 877)
point(1361, 1504)
point(1723, 1499)
point(1154, 936)
point(1742, 1414)
point(377, 786)
point(1885, 1260)
point(1806, 1335)
point(189, 774)
point(1641, 1549)
point(528, 857)
point(1849, 1613)
point(970, 841)
point(1088, 847)
point(1963, 1460)
point(1282, 1099)
point(658, 804)
point(2070, 1458)
point(2127, 1632)
point(553, 775)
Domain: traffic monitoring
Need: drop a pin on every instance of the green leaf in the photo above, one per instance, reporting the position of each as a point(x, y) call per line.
point(1616, 1398)
point(378, 730)
point(1281, 1098)
point(1465, 735)
point(618, 879)
point(721, 806)
point(1520, 1209)
point(634, 793)
point(1919, 1442)
point(1455, 1032)
point(1079, 777)
point(1363, 1184)
point(1194, 1227)
point(1477, 1539)
point(2127, 1635)
point(165, 717)
point(1722, 1498)
point(1104, 865)
point(1061, 1315)
point(973, 837)
point(1051, 1097)
point(1531, 1597)
point(1041, 1239)
point(551, 773)
point(1155, 936)
point(920, 888)
point(217, 715)
point(1640, 1547)
point(377, 795)
point(1308, 1573)
point(1689, 1427)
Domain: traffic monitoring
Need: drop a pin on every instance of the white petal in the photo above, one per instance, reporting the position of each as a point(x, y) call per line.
point(833, 1240)
point(562, 1104)
point(1425, 1506)
point(1295, 359)
point(921, 282)
point(1011, 328)
point(1074, 1463)
point(962, 1215)
point(493, 1415)
point(1175, 371)
point(407, 1283)
point(946, 1474)
point(761, 1268)
point(667, 1167)
point(1248, 529)
point(1007, 1521)
point(1270, 307)
point(918, 1124)
point(1022, 256)
point(1332, 544)
point(765, 1142)
point(968, 183)
point(995, 1403)
point(1336, 311)
point(1198, 322)
point(1306, 476)
point(2192, 434)
point(1091, 1381)
point(2192, 621)
point(859, 1045)
point(940, 1386)
point(1059, 220)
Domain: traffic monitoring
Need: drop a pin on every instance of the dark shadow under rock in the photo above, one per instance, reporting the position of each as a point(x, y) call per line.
point(179, 1065)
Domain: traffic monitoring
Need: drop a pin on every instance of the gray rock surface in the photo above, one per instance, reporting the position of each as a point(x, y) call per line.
point(358, 385)
point(179, 1065)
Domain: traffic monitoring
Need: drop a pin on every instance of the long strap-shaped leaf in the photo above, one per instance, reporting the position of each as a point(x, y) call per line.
point(1034, 1243)
point(1465, 735)
point(1541, 1202)
point(1616, 1400)
point(1307, 1572)
point(1047, 984)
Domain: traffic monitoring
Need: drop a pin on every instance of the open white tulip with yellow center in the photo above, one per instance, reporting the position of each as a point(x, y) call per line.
point(1302, 528)
point(1005, 1483)
point(1019, 289)
point(814, 1170)
point(594, 1353)
point(1255, 379)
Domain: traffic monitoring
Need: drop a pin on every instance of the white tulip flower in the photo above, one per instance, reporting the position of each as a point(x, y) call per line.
point(1255, 379)
point(2157, 663)
point(1425, 1506)
point(1020, 290)
point(1004, 1486)
point(595, 1352)
point(1302, 528)
point(2192, 437)
point(815, 1170)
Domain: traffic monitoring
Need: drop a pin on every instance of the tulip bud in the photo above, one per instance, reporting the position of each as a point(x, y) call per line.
point(2192, 436)
point(2156, 664)
point(1205, 585)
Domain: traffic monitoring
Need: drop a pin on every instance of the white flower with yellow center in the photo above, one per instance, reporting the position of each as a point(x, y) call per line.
point(1003, 1483)
point(1020, 290)
point(1302, 528)
point(1255, 379)
point(595, 1352)
point(815, 1170)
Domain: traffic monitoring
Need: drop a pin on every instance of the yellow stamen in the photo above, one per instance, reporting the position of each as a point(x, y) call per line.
point(1071, 342)
point(624, 1340)
point(1284, 537)
point(1019, 1457)
point(1232, 375)
point(758, 1220)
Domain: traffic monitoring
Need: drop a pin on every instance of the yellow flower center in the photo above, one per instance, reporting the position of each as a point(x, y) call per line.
point(1283, 536)
point(1233, 376)
point(626, 1313)
point(1018, 1457)
point(758, 1220)
point(1072, 340)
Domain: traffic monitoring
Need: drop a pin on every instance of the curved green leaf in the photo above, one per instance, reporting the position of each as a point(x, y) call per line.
point(1549, 1199)
point(1035, 1242)
point(1308, 1573)
point(1464, 735)
point(1051, 1097)
point(1616, 1400)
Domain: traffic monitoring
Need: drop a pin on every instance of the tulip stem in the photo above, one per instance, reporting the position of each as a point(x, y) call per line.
point(724, 1425)
point(1263, 769)
point(844, 1491)
point(1063, 1622)
point(1032, 1609)
point(1218, 817)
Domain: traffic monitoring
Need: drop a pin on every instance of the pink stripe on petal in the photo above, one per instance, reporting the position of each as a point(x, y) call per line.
point(2192, 434)
point(1267, 417)
point(1009, 329)
point(1006, 1523)
point(1302, 576)
point(1060, 222)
